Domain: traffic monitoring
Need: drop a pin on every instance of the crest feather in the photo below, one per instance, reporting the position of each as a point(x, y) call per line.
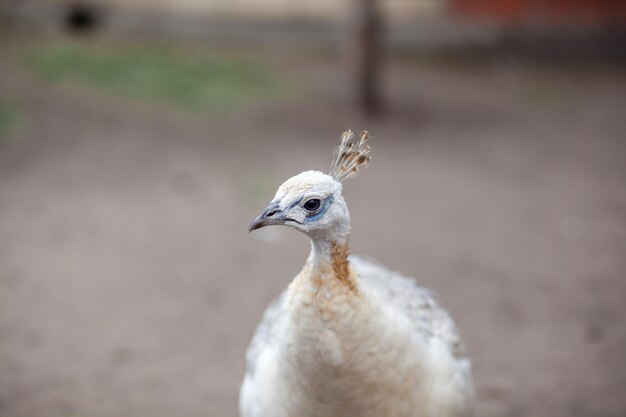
point(350, 155)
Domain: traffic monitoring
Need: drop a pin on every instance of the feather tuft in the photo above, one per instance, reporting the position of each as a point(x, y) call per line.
point(350, 155)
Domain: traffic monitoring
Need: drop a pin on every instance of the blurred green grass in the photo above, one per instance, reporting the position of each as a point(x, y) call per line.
point(189, 80)
point(9, 115)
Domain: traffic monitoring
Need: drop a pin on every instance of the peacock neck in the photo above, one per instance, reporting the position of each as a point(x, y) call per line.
point(328, 260)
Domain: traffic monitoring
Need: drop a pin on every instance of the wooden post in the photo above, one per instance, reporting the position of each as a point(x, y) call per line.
point(366, 51)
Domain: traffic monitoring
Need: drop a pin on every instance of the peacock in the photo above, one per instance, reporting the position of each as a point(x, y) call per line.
point(349, 337)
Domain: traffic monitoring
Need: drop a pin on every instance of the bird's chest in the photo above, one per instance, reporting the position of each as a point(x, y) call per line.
point(340, 356)
point(322, 332)
point(325, 321)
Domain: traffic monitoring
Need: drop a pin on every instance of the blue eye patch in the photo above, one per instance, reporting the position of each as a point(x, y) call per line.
point(313, 217)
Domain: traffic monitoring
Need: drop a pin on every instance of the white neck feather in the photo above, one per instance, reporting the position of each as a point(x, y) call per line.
point(321, 256)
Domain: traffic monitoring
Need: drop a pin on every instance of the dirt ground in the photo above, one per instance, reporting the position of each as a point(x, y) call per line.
point(130, 287)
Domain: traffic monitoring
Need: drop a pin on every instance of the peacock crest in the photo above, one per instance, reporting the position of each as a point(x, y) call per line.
point(350, 155)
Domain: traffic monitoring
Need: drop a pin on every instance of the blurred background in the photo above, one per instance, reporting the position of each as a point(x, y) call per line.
point(139, 138)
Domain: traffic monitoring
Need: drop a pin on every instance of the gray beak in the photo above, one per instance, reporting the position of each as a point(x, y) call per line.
point(270, 216)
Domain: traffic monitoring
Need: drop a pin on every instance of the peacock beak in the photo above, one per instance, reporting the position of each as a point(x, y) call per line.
point(271, 215)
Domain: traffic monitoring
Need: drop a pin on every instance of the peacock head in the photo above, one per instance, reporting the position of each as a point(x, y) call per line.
point(311, 201)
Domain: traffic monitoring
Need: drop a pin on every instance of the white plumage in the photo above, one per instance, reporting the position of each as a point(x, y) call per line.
point(348, 337)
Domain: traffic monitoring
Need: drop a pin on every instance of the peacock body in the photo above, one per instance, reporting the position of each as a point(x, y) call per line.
point(348, 337)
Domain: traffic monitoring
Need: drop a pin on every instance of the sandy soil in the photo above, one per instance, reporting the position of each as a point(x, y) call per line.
point(129, 286)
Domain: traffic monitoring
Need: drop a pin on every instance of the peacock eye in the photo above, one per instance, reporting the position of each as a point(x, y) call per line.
point(312, 205)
